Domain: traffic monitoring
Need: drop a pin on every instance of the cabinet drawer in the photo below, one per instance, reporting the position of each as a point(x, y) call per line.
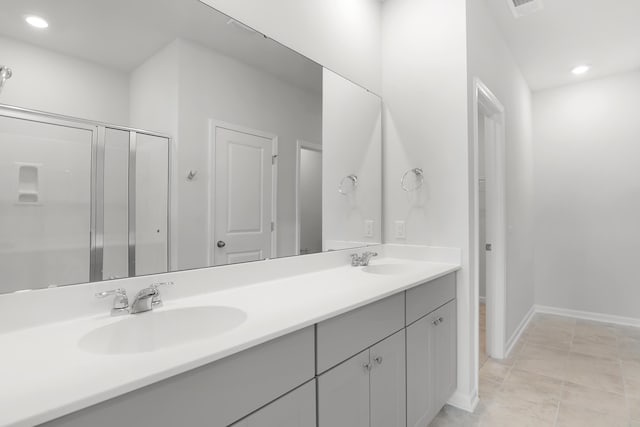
point(296, 409)
point(346, 335)
point(214, 395)
point(425, 298)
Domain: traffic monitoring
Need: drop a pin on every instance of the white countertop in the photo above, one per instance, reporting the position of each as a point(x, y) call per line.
point(44, 374)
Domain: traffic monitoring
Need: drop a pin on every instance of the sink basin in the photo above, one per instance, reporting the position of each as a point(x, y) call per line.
point(387, 268)
point(155, 330)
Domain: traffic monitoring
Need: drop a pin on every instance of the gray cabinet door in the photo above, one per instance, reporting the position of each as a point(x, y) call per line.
point(296, 409)
point(445, 357)
point(388, 382)
point(421, 408)
point(343, 394)
point(431, 364)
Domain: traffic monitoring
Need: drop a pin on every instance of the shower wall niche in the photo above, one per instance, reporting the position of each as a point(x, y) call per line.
point(80, 201)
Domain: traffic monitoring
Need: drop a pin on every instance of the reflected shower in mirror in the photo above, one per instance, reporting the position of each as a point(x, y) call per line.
point(162, 136)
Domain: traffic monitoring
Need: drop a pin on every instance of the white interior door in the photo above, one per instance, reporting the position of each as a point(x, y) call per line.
point(243, 191)
point(489, 151)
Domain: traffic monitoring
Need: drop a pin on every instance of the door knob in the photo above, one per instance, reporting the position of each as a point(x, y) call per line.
point(221, 244)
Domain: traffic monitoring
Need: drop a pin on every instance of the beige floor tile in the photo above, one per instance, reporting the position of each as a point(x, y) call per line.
point(627, 331)
point(494, 371)
point(542, 360)
point(598, 380)
point(506, 407)
point(550, 320)
point(569, 416)
point(577, 397)
point(634, 408)
point(453, 417)
point(551, 337)
point(590, 346)
point(551, 368)
point(602, 364)
point(632, 387)
point(488, 389)
point(629, 348)
point(630, 369)
point(604, 331)
point(532, 387)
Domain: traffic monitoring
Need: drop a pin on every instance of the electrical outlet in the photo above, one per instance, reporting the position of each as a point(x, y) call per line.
point(401, 230)
point(368, 228)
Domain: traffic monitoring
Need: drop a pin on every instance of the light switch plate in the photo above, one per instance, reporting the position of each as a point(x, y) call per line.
point(368, 228)
point(400, 228)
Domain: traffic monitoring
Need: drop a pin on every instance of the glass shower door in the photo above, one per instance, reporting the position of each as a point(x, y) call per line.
point(45, 202)
point(115, 204)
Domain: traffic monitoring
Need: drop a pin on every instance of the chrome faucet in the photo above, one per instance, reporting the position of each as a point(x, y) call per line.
point(362, 260)
point(145, 300)
point(148, 298)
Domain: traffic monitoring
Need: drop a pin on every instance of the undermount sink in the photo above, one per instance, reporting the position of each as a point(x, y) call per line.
point(156, 330)
point(387, 268)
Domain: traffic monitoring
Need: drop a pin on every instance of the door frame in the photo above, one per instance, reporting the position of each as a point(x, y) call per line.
point(213, 125)
point(485, 102)
point(301, 144)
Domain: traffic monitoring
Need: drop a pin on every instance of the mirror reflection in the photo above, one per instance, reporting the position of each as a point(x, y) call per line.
point(147, 136)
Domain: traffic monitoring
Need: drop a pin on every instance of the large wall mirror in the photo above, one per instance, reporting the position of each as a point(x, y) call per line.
point(145, 136)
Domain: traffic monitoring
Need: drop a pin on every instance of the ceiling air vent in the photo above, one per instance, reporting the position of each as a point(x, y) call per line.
point(521, 8)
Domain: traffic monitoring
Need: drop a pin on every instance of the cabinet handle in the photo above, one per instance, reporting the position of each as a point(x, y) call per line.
point(441, 320)
point(436, 322)
point(378, 360)
point(367, 367)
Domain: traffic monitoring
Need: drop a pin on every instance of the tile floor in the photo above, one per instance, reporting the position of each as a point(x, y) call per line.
point(563, 372)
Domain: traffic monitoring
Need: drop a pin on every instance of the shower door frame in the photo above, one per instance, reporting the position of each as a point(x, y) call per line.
point(98, 140)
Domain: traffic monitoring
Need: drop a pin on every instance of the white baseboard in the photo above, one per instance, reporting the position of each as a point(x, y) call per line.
point(519, 330)
point(464, 401)
point(586, 315)
point(483, 300)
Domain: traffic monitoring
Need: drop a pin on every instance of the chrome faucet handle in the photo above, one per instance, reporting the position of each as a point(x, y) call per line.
point(120, 302)
point(157, 299)
point(355, 260)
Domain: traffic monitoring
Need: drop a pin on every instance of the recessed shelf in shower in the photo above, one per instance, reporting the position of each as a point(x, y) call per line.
point(28, 183)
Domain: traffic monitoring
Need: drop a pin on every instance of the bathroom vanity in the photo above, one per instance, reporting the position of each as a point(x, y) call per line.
point(340, 345)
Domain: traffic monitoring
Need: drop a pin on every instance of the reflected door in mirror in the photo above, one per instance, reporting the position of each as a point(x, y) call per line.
point(244, 177)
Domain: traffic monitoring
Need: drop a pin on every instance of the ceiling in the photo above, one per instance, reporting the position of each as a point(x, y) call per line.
point(122, 34)
point(548, 44)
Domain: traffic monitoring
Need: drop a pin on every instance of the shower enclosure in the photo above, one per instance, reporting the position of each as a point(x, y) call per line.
point(80, 201)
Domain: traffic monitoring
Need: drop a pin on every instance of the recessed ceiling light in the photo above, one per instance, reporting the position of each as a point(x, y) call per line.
point(36, 21)
point(580, 69)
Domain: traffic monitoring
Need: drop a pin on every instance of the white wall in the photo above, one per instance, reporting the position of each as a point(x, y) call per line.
point(343, 36)
point(587, 195)
point(491, 61)
point(52, 82)
point(352, 145)
point(425, 125)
